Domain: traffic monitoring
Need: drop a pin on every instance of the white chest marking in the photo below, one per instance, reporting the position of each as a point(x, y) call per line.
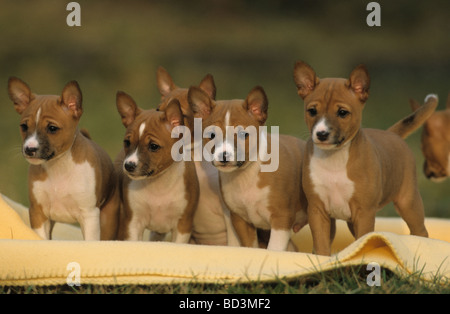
point(245, 198)
point(328, 172)
point(158, 203)
point(68, 192)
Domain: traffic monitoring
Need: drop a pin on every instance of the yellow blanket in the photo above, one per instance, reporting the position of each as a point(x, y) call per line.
point(26, 260)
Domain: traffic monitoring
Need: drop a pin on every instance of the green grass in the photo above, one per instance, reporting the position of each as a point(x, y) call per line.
point(345, 280)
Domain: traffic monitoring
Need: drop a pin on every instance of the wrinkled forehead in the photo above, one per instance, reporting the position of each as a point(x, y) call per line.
point(331, 91)
point(46, 106)
point(230, 113)
point(147, 122)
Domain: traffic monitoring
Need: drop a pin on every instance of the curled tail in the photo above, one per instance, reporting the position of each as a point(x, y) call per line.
point(408, 125)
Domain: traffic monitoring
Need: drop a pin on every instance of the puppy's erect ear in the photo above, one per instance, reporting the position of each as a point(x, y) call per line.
point(173, 114)
point(305, 79)
point(127, 108)
point(257, 104)
point(71, 98)
point(19, 93)
point(414, 104)
point(208, 85)
point(359, 82)
point(164, 82)
point(201, 104)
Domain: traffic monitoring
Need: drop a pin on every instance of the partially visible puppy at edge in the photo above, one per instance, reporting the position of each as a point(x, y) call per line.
point(435, 143)
point(71, 179)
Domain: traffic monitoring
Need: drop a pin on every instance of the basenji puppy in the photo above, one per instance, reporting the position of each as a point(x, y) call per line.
point(349, 173)
point(212, 223)
point(70, 179)
point(435, 142)
point(270, 200)
point(158, 193)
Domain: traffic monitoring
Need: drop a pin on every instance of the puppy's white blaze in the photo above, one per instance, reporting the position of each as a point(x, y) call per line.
point(38, 115)
point(227, 145)
point(141, 129)
point(320, 126)
point(227, 118)
point(133, 157)
point(279, 240)
point(32, 141)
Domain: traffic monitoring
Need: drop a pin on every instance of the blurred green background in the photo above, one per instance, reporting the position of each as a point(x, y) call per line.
point(241, 43)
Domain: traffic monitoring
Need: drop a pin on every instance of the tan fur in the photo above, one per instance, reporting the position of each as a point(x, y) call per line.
point(436, 143)
point(380, 165)
point(266, 200)
point(211, 220)
point(411, 123)
point(64, 113)
point(154, 167)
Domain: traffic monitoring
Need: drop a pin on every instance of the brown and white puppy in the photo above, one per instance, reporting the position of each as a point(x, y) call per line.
point(212, 223)
point(158, 193)
point(269, 200)
point(349, 172)
point(71, 179)
point(436, 143)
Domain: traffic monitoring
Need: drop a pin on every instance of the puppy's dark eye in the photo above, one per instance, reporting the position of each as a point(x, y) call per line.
point(154, 147)
point(212, 135)
point(126, 143)
point(52, 129)
point(312, 112)
point(342, 113)
point(24, 127)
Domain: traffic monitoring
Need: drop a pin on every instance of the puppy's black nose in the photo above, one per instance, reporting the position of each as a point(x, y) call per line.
point(30, 151)
point(130, 166)
point(322, 135)
point(225, 157)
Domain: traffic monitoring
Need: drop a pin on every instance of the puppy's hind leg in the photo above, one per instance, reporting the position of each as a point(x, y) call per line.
point(410, 208)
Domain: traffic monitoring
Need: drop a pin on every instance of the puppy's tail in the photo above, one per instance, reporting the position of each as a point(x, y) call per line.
point(408, 125)
point(86, 133)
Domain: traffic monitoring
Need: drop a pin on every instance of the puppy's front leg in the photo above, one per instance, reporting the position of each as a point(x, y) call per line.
point(246, 232)
point(179, 237)
point(320, 224)
point(90, 224)
point(279, 239)
point(40, 223)
point(363, 222)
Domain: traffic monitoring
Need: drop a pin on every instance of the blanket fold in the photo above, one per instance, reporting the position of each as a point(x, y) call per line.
point(26, 260)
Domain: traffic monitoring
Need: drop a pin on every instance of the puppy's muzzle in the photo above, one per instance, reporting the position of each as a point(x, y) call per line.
point(130, 166)
point(322, 135)
point(30, 151)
